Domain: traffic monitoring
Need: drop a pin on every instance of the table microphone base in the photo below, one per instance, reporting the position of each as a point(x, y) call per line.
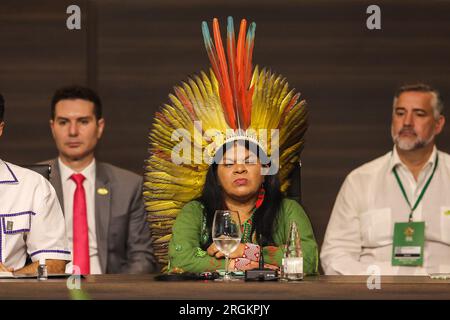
point(261, 275)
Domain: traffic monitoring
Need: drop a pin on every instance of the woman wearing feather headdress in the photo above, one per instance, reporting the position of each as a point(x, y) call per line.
point(235, 182)
point(183, 191)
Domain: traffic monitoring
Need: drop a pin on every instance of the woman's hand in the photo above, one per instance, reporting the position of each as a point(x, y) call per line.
point(214, 252)
point(212, 249)
point(5, 269)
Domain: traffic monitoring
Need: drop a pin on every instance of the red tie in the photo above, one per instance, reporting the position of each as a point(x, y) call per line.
point(80, 226)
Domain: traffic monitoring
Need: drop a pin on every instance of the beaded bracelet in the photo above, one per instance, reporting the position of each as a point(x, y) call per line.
point(241, 263)
point(251, 252)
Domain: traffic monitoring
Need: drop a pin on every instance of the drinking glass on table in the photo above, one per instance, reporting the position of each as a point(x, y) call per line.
point(226, 234)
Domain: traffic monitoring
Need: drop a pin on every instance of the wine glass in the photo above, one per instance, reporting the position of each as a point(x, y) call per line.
point(226, 234)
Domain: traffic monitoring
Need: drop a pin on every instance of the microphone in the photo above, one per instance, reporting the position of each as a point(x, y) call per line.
point(261, 274)
point(261, 258)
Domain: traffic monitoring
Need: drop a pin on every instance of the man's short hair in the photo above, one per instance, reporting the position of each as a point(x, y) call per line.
point(2, 107)
point(437, 104)
point(77, 92)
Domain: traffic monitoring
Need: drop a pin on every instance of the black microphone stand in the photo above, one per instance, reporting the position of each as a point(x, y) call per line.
point(261, 274)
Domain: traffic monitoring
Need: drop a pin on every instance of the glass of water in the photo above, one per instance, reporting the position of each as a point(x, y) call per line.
point(226, 234)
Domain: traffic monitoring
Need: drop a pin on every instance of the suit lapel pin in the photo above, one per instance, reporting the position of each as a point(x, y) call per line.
point(102, 191)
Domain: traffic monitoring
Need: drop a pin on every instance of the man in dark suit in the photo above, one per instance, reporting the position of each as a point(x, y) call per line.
point(103, 207)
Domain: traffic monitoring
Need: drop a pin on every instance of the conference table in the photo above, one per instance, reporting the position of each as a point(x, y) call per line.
point(106, 287)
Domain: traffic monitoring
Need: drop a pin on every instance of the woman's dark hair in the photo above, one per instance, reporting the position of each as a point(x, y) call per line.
point(264, 218)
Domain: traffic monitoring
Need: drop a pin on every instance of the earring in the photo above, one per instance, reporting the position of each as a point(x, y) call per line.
point(260, 199)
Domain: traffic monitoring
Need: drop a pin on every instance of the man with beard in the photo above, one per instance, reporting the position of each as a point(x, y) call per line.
point(392, 215)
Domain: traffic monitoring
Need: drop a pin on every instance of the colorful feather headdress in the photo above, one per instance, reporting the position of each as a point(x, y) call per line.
point(233, 102)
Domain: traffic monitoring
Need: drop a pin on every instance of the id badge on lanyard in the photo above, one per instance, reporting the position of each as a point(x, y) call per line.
point(409, 237)
point(409, 240)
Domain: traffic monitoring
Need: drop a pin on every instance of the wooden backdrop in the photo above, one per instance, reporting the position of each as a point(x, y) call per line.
point(133, 53)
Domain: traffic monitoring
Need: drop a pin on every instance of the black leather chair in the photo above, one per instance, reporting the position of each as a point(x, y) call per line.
point(43, 169)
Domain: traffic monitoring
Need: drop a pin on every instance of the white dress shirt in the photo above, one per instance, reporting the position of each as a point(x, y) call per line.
point(370, 202)
point(68, 187)
point(31, 219)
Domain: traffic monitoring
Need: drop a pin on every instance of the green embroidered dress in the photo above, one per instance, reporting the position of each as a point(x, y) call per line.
point(189, 234)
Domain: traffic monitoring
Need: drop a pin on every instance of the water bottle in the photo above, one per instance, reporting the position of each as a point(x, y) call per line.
point(42, 270)
point(292, 263)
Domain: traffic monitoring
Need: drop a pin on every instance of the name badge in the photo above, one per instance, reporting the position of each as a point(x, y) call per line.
point(9, 225)
point(409, 240)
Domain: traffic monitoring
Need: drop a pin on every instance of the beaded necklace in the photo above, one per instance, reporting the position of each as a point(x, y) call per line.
point(246, 228)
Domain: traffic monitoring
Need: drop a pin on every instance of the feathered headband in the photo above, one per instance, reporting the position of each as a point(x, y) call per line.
point(234, 102)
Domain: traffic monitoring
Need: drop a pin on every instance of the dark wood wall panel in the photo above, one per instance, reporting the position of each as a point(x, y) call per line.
point(38, 54)
point(141, 49)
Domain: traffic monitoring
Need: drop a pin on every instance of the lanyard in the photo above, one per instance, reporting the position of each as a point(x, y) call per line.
point(425, 187)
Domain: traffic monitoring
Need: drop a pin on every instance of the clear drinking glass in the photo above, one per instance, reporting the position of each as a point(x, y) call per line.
point(226, 234)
